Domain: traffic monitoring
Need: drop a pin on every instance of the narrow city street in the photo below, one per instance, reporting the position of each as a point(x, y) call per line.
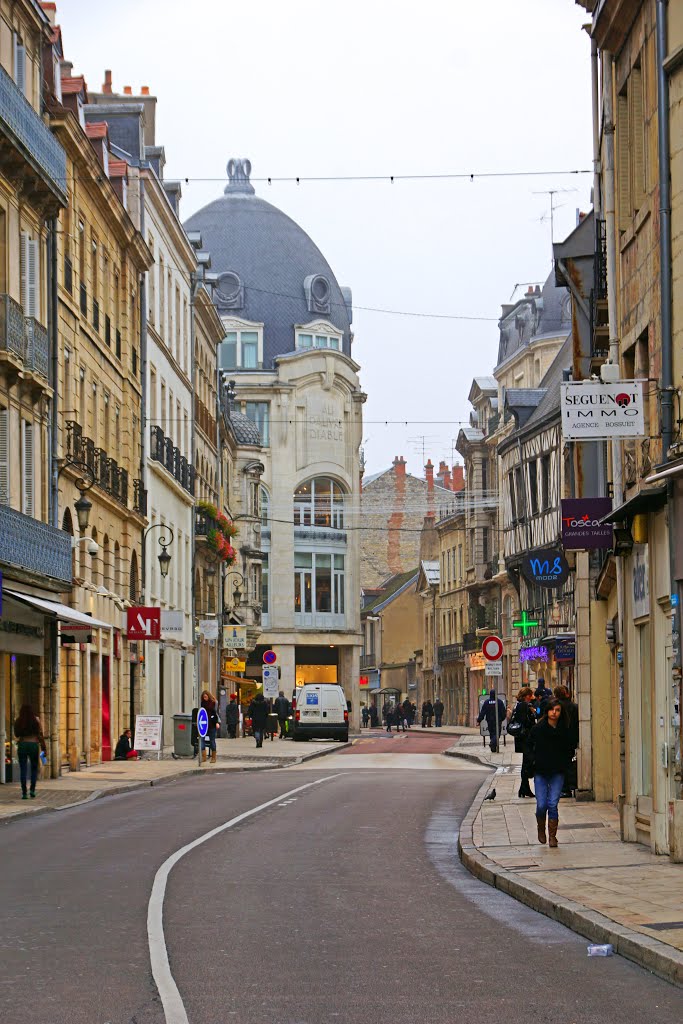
point(343, 900)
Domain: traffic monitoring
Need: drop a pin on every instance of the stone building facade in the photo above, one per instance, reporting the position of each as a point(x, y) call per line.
point(287, 346)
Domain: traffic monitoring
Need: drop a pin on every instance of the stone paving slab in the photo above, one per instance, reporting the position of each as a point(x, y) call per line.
point(605, 889)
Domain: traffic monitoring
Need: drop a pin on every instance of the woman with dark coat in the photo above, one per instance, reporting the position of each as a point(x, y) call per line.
point(210, 704)
point(526, 716)
point(29, 733)
point(571, 714)
point(550, 744)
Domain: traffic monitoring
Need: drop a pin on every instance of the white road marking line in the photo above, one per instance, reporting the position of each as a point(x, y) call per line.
point(174, 1008)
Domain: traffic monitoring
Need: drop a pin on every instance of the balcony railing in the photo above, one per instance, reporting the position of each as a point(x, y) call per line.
point(29, 135)
point(470, 642)
point(450, 652)
point(164, 451)
point(12, 327)
point(34, 547)
point(108, 475)
point(37, 348)
point(139, 498)
point(204, 419)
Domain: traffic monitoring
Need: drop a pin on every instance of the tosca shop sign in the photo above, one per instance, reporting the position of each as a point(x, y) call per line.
point(545, 568)
point(581, 526)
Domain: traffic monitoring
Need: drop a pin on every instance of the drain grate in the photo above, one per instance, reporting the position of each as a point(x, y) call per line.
point(664, 926)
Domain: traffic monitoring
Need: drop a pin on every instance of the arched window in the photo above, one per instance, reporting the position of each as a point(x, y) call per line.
point(319, 502)
point(94, 562)
point(319, 558)
point(117, 567)
point(264, 502)
point(133, 578)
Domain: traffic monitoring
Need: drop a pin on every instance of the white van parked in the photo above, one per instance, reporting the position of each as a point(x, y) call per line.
point(321, 712)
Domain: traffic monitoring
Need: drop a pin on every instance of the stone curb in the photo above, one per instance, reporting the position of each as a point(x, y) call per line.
point(132, 787)
point(466, 756)
point(650, 953)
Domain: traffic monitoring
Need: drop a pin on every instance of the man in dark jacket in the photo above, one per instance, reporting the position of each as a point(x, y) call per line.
point(427, 712)
point(232, 717)
point(541, 694)
point(488, 712)
point(259, 717)
point(438, 712)
point(281, 708)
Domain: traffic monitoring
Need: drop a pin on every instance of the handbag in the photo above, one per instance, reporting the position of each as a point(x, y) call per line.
point(516, 727)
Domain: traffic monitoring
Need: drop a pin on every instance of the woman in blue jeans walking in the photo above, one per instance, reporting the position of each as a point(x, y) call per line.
point(550, 745)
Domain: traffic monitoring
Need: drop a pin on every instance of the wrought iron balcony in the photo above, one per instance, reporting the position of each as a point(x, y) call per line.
point(33, 548)
point(31, 139)
point(469, 642)
point(450, 652)
point(37, 358)
point(164, 451)
point(139, 498)
point(12, 331)
point(202, 524)
point(109, 476)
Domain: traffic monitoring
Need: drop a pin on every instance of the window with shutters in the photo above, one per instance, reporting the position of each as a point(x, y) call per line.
point(4, 456)
point(27, 474)
point(19, 63)
point(631, 176)
point(30, 275)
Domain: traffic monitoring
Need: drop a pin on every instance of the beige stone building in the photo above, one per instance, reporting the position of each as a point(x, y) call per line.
point(35, 556)
point(391, 625)
point(100, 258)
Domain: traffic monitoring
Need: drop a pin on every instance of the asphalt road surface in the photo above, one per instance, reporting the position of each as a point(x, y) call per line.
point(342, 902)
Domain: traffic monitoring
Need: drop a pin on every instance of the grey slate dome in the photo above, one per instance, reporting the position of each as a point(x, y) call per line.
point(245, 431)
point(269, 270)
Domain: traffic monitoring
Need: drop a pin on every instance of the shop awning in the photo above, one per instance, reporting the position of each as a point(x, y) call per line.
point(673, 469)
point(648, 498)
point(62, 612)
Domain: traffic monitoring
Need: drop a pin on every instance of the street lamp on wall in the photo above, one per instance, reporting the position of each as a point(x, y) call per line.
point(165, 542)
point(83, 506)
point(236, 592)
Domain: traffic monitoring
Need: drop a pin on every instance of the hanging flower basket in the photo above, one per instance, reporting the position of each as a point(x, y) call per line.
point(220, 532)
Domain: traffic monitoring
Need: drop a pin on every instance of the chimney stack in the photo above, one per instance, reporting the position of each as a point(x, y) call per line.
point(51, 12)
point(144, 90)
point(106, 88)
point(447, 482)
point(429, 475)
point(127, 90)
point(399, 465)
point(458, 483)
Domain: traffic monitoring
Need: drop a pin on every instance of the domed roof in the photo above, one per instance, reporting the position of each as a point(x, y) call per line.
point(269, 270)
point(245, 431)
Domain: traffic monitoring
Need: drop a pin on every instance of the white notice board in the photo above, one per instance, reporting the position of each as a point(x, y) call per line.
point(148, 732)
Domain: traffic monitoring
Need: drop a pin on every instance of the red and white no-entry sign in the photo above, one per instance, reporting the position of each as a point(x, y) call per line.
point(492, 648)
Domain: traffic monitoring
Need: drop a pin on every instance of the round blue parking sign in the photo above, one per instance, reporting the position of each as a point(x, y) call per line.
point(202, 722)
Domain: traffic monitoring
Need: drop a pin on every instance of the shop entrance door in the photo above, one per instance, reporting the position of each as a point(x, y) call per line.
point(106, 710)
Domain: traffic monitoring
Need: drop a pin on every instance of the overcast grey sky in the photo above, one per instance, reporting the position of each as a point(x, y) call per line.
point(372, 87)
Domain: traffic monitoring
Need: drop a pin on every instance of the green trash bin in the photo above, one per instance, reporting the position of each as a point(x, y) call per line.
point(182, 736)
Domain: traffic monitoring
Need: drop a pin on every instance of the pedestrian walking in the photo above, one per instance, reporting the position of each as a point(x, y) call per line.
point(550, 744)
point(124, 748)
point(541, 695)
point(281, 707)
point(521, 722)
point(438, 712)
point(571, 713)
point(374, 717)
point(389, 716)
point(259, 717)
point(29, 734)
point(232, 716)
point(407, 712)
point(399, 718)
point(365, 714)
point(210, 705)
point(488, 712)
point(427, 713)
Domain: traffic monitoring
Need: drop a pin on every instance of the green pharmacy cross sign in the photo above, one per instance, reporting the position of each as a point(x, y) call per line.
point(525, 624)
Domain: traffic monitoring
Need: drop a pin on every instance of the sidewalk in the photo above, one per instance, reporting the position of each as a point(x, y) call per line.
point(112, 777)
point(602, 888)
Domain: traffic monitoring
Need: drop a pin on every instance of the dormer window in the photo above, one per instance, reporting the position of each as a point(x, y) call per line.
point(319, 334)
point(242, 346)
